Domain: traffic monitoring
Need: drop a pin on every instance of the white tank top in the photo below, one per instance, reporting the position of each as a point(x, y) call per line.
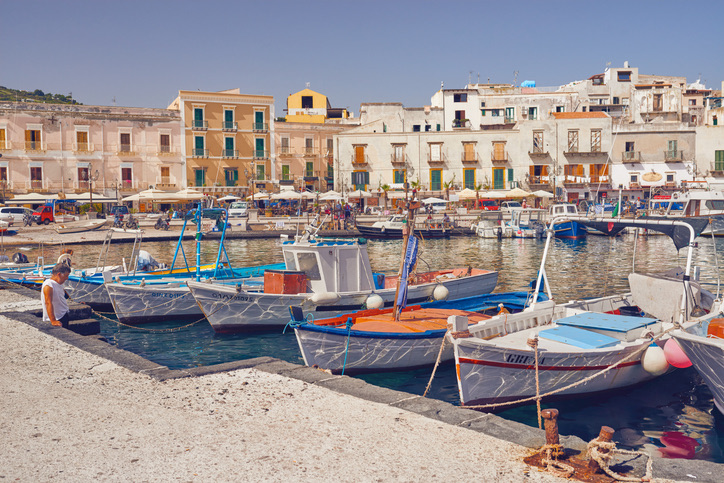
point(60, 305)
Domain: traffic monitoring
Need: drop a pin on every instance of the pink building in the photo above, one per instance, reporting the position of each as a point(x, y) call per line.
point(52, 148)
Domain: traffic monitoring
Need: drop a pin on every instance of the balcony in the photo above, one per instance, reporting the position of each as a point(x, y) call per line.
point(83, 148)
point(461, 123)
point(509, 120)
point(35, 146)
point(36, 185)
point(229, 126)
point(469, 158)
point(398, 160)
point(260, 126)
point(165, 183)
point(285, 151)
point(673, 156)
point(631, 156)
point(538, 152)
point(309, 151)
point(126, 150)
point(166, 151)
point(230, 153)
point(499, 158)
point(358, 161)
point(261, 154)
point(82, 186)
point(199, 125)
point(583, 154)
point(200, 153)
point(436, 160)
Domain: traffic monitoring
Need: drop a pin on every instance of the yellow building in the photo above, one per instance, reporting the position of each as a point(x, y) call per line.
point(312, 107)
point(228, 140)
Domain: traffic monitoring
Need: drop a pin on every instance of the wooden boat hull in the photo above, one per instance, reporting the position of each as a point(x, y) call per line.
point(396, 233)
point(229, 310)
point(707, 356)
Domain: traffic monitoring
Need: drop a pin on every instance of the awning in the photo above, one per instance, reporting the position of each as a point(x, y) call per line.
point(679, 235)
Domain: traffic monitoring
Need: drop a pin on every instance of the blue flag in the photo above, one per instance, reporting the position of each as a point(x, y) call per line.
point(409, 263)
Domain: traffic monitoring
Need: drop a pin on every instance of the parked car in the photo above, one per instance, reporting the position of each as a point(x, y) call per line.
point(488, 205)
point(238, 209)
point(44, 215)
point(118, 209)
point(16, 212)
point(507, 206)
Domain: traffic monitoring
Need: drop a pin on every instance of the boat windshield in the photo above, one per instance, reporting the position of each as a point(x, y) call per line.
point(308, 264)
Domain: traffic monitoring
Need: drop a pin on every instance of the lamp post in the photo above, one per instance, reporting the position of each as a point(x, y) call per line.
point(93, 176)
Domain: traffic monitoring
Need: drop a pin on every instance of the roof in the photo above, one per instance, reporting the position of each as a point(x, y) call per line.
point(579, 115)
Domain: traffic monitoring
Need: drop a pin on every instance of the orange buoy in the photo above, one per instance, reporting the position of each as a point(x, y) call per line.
point(716, 328)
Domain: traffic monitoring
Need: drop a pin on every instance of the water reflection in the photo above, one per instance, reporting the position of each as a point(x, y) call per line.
point(674, 414)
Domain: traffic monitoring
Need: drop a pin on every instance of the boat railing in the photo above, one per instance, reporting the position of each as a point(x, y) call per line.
point(504, 324)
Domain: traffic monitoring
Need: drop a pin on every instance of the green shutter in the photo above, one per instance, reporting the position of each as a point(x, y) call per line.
point(719, 160)
point(260, 172)
point(229, 116)
point(198, 114)
point(199, 142)
point(285, 172)
point(510, 175)
point(229, 143)
point(435, 180)
point(259, 117)
point(498, 179)
point(469, 175)
point(200, 178)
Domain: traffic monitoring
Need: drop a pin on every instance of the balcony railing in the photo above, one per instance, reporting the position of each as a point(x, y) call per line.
point(509, 120)
point(631, 156)
point(499, 157)
point(126, 150)
point(165, 151)
point(469, 158)
point(165, 182)
point(285, 150)
point(83, 148)
point(200, 153)
point(35, 184)
point(260, 126)
point(673, 156)
point(199, 124)
point(229, 126)
point(230, 153)
point(261, 154)
point(461, 123)
point(436, 160)
point(399, 160)
point(35, 146)
point(360, 160)
point(309, 151)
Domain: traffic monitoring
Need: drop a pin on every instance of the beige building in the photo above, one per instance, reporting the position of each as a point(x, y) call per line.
point(54, 148)
point(228, 140)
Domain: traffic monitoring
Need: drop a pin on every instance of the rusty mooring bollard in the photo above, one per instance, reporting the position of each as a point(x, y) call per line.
point(605, 436)
point(550, 417)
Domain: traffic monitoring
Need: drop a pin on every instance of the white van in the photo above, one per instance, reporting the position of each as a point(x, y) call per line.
point(238, 209)
point(15, 212)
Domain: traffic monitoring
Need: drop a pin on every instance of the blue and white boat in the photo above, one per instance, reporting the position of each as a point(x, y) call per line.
point(566, 229)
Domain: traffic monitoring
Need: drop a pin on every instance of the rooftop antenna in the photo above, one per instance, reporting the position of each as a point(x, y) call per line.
point(478, 77)
point(515, 78)
point(608, 64)
point(470, 77)
point(114, 100)
point(308, 84)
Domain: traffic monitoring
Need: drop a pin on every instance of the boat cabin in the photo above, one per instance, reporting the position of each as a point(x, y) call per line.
point(332, 265)
point(696, 203)
point(562, 209)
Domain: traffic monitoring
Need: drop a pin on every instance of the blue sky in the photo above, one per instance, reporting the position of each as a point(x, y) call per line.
point(143, 52)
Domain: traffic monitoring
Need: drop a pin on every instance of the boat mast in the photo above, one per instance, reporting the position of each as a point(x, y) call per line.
point(406, 234)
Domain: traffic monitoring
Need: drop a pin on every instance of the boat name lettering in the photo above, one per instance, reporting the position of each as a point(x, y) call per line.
point(521, 359)
point(224, 296)
point(167, 295)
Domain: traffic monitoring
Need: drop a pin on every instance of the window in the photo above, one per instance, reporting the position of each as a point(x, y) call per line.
point(198, 121)
point(692, 102)
point(285, 172)
point(630, 146)
point(199, 147)
point(415, 128)
point(229, 151)
point(200, 177)
point(560, 109)
point(595, 140)
point(482, 104)
point(538, 142)
point(330, 170)
point(498, 178)
point(81, 141)
point(673, 149)
point(537, 173)
point(259, 124)
point(165, 175)
point(460, 119)
point(469, 152)
point(307, 102)
point(229, 123)
point(438, 127)
point(482, 112)
point(532, 113)
point(719, 160)
point(360, 179)
point(36, 177)
point(125, 142)
point(127, 177)
point(469, 178)
point(599, 173)
point(624, 76)
point(572, 173)
point(398, 176)
point(495, 112)
point(231, 176)
point(460, 98)
point(658, 102)
point(165, 143)
point(308, 264)
point(509, 114)
point(83, 178)
point(308, 146)
point(573, 141)
point(3, 139)
point(330, 146)
point(32, 140)
point(427, 127)
point(285, 146)
point(309, 172)
point(359, 155)
point(398, 153)
point(4, 174)
point(635, 179)
point(259, 148)
point(499, 153)
point(260, 172)
point(435, 152)
point(435, 179)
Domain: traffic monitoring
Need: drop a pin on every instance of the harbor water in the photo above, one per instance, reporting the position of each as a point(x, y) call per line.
point(674, 413)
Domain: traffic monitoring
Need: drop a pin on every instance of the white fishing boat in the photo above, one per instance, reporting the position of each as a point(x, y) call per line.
point(527, 222)
point(487, 227)
point(80, 226)
point(697, 202)
point(707, 356)
point(583, 346)
point(327, 278)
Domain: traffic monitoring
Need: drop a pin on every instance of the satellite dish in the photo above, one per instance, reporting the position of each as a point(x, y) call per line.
point(652, 177)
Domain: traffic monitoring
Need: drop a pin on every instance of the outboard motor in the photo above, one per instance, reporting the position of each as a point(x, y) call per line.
point(146, 261)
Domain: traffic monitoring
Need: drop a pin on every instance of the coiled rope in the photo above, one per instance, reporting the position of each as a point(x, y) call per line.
point(604, 458)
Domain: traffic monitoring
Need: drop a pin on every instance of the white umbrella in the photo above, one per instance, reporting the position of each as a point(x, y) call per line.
point(308, 195)
point(543, 194)
point(229, 198)
point(97, 198)
point(287, 195)
point(517, 193)
point(135, 197)
point(467, 194)
point(330, 197)
point(359, 194)
point(432, 199)
point(258, 196)
point(186, 194)
point(493, 194)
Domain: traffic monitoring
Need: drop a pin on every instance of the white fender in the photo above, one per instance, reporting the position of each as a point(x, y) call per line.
point(441, 292)
point(324, 298)
point(374, 301)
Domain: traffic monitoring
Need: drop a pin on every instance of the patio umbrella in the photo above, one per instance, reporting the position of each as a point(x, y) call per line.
point(97, 198)
point(135, 197)
point(186, 194)
point(542, 194)
point(228, 198)
point(433, 199)
point(287, 195)
point(493, 194)
point(258, 196)
point(517, 193)
point(329, 196)
point(359, 194)
point(308, 195)
point(467, 194)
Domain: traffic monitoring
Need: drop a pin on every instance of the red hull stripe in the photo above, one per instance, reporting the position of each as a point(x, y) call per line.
point(543, 368)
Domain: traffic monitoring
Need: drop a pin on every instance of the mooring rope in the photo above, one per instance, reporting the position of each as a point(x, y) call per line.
point(604, 458)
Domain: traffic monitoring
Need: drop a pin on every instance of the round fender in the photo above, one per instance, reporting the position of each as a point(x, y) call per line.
point(324, 298)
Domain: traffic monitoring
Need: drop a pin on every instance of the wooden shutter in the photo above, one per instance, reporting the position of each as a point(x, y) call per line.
point(359, 154)
point(499, 152)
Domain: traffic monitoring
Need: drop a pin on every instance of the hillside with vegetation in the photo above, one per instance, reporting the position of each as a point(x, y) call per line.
point(19, 95)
